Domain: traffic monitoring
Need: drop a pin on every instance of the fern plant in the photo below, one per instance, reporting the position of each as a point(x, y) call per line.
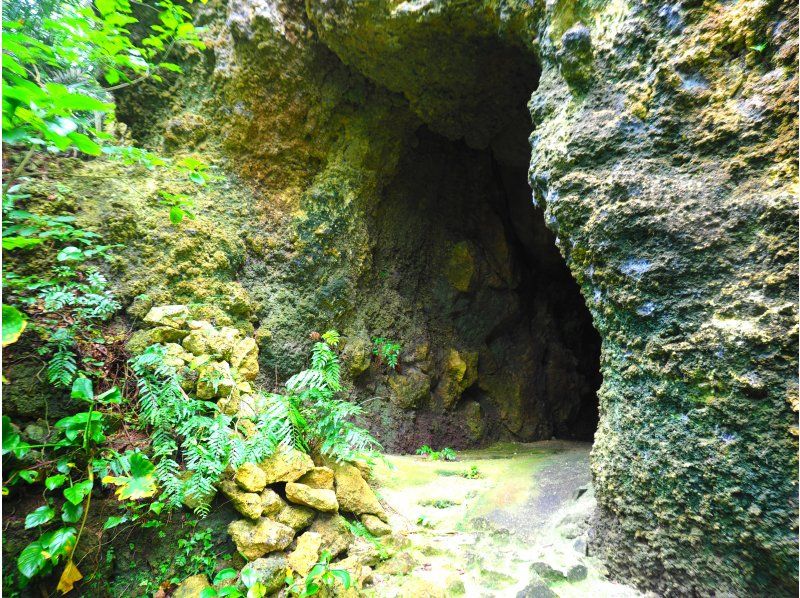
point(193, 435)
point(63, 365)
point(329, 420)
point(190, 435)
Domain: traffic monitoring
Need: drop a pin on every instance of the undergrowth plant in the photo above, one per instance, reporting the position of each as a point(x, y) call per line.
point(446, 454)
point(386, 351)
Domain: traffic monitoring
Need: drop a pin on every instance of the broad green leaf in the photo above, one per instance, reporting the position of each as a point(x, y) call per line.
point(208, 593)
point(10, 243)
point(249, 576)
point(60, 541)
point(112, 395)
point(55, 481)
point(82, 389)
point(10, 436)
point(141, 482)
point(32, 559)
point(224, 575)
point(13, 324)
point(71, 513)
point(85, 144)
point(76, 493)
point(69, 254)
point(112, 76)
point(39, 517)
point(105, 6)
point(342, 576)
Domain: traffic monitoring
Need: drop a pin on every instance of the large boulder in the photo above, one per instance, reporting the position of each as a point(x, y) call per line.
point(316, 498)
point(409, 389)
point(286, 465)
point(254, 539)
point(354, 494)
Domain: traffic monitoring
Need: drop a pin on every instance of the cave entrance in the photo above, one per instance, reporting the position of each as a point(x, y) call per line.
point(481, 282)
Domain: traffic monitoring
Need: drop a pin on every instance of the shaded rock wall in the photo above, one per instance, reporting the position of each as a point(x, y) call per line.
point(663, 150)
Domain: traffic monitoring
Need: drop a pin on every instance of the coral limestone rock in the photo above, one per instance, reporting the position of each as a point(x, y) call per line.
point(270, 571)
point(286, 465)
point(297, 517)
point(336, 536)
point(191, 587)
point(306, 553)
point(244, 358)
point(173, 316)
point(319, 499)
point(375, 525)
point(271, 503)
point(254, 539)
point(319, 477)
point(251, 477)
point(248, 504)
point(354, 494)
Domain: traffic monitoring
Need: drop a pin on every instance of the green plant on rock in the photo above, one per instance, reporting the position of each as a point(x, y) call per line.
point(324, 421)
point(386, 351)
point(192, 432)
point(359, 530)
point(321, 575)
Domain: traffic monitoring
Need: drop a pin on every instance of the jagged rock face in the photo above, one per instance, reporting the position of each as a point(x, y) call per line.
point(386, 145)
point(668, 186)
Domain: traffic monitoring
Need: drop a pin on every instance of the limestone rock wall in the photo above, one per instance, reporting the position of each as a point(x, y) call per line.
point(667, 177)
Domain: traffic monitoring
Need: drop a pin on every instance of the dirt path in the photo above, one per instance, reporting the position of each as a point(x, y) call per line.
point(518, 529)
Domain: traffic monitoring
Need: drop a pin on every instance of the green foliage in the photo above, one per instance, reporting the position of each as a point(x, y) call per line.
point(326, 422)
point(39, 110)
point(360, 530)
point(321, 575)
point(386, 351)
point(193, 432)
point(196, 554)
point(472, 473)
point(446, 454)
point(13, 324)
point(180, 206)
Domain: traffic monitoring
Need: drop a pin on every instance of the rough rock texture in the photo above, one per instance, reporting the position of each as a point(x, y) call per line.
point(317, 498)
point(255, 539)
point(668, 184)
point(384, 149)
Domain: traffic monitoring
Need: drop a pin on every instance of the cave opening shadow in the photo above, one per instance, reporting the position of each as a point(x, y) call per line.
point(460, 239)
